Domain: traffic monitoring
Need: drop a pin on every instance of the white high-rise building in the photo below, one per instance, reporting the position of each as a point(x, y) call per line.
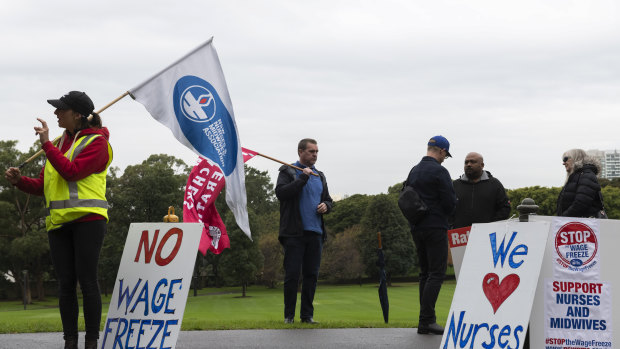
point(610, 162)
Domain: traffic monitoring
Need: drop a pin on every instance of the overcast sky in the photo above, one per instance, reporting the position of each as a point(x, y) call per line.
point(372, 81)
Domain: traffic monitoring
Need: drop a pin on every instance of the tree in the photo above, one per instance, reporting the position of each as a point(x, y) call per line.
point(267, 228)
point(273, 270)
point(395, 189)
point(347, 213)
point(144, 192)
point(611, 198)
point(260, 192)
point(241, 263)
point(614, 182)
point(382, 215)
point(342, 259)
point(23, 240)
point(544, 197)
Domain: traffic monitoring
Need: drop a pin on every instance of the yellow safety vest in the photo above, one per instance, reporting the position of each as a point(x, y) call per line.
point(67, 201)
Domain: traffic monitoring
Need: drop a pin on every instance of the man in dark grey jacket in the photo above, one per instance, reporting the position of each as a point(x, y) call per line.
point(481, 197)
point(304, 199)
point(433, 184)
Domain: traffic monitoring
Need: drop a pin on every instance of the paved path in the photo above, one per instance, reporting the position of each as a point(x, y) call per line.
point(297, 338)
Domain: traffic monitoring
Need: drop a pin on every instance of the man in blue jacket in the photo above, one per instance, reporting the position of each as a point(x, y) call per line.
point(433, 184)
point(304, 199)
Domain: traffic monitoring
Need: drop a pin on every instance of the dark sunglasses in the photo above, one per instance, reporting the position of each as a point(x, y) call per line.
point(565, 159)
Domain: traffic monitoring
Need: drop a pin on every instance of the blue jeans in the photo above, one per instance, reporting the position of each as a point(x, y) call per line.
point(75, 251)
point(432, 248)
point(301, 254)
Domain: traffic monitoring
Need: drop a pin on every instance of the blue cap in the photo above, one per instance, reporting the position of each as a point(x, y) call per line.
point(442, 143)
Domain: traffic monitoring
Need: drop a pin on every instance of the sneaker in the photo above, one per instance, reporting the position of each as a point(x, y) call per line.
point(289, 320)
point(433, 328)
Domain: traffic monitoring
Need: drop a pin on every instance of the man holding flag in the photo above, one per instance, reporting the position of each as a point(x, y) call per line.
point(304, 199)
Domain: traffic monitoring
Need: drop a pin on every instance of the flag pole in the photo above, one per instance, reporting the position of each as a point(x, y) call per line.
point(55, 141)
point(114, 101)
point(284, 163)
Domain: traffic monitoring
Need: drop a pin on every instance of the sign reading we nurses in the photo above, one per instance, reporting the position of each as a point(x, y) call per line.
point(494, 293)
point(148, 302)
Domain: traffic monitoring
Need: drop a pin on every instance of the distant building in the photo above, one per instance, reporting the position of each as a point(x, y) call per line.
point(610, 162)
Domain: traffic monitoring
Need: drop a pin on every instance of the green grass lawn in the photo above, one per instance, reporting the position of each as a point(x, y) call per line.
point(338, 306)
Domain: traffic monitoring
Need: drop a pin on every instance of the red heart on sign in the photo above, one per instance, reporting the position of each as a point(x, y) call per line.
point(496, 291)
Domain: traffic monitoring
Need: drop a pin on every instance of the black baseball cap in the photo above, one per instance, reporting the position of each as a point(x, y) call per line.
point(76, 101)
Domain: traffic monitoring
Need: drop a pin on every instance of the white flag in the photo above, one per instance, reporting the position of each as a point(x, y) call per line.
point(190, 97)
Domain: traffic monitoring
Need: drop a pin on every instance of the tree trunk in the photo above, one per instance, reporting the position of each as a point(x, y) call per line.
point(28, 294)
point(243, 287)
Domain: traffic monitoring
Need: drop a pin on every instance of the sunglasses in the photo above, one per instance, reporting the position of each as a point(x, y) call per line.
point(565, 159)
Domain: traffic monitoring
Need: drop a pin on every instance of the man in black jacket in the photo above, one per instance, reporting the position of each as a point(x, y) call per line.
point(433, 184)
point(481, 197)
point(304, 199)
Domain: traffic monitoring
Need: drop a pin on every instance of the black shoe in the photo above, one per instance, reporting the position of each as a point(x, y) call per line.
point(90, 344)
point(289, 320)
point(309, 320)
point(433, 328)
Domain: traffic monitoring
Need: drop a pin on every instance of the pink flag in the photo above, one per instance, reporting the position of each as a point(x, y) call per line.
point(204, 184)
point(247, 154)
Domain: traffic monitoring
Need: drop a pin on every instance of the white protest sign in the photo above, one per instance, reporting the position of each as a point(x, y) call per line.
point(578, 313)
point(576, 246)
point(492, 301)
point(574, 306)
point(150, 293)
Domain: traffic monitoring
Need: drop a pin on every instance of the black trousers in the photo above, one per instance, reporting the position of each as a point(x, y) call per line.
point(75, 251)
point(301, 254)
point(432, 248)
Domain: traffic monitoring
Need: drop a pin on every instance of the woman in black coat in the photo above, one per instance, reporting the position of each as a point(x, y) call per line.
point(580, 196)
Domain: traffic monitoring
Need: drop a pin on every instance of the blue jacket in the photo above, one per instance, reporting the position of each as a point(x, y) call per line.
point(434, 185)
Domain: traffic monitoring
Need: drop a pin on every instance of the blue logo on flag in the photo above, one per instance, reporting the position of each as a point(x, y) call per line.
point(205, 121)
point(198, 104)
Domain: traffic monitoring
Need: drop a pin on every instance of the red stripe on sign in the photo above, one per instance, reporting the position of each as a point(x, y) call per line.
point(458, 237)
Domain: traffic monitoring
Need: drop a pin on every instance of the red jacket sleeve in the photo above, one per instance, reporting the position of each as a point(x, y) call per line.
point(92, 159)
point(32, 186)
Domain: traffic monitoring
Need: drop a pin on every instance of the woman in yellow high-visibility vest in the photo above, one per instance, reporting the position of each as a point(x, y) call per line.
point(73, 182)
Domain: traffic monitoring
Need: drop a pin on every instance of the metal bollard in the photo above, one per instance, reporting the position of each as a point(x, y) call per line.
point(527, 207)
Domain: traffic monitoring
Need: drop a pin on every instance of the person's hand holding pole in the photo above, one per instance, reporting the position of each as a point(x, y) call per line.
point(13, 175)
